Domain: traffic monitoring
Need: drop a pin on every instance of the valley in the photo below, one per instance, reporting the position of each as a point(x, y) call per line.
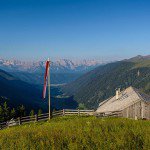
point(62, 70)
point(85, 88)
point(101, 83)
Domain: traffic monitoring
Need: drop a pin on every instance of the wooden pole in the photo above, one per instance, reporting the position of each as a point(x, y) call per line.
point(78, 112)
point(36, 117)
point(49, 94)
point(19, 120)
point(63, 112)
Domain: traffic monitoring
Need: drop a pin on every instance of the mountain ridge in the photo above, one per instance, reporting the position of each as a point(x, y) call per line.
point(62, 70)
point(100, 83)
point(59, 66)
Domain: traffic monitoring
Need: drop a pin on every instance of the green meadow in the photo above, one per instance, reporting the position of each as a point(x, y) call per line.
point(78, 133)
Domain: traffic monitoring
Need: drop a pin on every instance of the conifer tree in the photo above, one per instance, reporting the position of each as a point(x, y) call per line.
point(6, 112)
point(1, 114)
point(13, 113)
point(32, 112)
point(21, 111)
point(39, 111)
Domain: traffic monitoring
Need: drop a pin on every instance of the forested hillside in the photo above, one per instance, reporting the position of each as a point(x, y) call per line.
point(16, 93)
point(19, 92)
point(100, 83)
point(7, 111)
point(38, 78)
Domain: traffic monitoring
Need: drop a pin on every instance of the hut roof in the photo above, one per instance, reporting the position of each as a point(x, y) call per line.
point(126, 98)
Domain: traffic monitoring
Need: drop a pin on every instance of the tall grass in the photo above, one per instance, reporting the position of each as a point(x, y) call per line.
point(78, 133)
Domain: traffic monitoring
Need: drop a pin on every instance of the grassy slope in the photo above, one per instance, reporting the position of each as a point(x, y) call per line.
point(143, 63)
point(78, 133)
point(100, 83)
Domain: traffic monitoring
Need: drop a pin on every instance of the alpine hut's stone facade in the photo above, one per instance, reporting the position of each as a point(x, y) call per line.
point(131, 103)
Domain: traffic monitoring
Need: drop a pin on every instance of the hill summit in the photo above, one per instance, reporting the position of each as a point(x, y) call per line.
point(100, 83)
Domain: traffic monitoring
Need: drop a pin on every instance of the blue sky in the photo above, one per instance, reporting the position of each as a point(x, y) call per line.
point(36, 29)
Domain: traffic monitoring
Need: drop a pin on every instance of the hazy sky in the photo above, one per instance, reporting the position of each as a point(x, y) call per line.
point(36, 29)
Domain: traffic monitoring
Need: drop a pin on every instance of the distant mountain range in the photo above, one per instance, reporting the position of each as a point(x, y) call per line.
point(62, 70)
point(90, 88)
point(21, 82)
point(100, 83)
point(57, 66)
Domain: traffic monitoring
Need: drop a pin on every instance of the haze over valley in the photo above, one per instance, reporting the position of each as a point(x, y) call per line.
point(87, 83)
point(62, 70)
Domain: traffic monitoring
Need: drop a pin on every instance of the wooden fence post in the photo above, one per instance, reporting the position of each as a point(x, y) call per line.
point(63, 112)
point(127, 112)
point(52, 114)
point(78, 112)
point(19, 120)
point(36, 117)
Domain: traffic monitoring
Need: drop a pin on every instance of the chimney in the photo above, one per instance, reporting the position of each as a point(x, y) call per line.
point(117, 93)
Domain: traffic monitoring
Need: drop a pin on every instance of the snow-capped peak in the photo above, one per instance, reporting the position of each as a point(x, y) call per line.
point(59, 65)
